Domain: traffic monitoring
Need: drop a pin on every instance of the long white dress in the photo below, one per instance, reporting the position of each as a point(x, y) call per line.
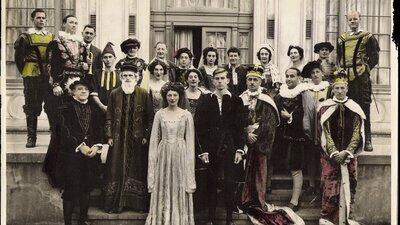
point(171, 179)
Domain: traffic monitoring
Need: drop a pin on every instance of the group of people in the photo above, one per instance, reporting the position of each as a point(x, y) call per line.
point(162, 124)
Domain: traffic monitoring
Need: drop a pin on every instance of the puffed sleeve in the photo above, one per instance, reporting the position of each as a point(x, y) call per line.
point(190, 182)
point(155, 138)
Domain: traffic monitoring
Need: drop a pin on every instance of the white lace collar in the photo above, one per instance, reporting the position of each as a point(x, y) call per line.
point(291, 93)
point(319, 87)
point(33, 30)
point(68, 36)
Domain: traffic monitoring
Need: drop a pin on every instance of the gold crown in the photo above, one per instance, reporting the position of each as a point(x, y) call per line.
point(340, 77)
point(255, 70)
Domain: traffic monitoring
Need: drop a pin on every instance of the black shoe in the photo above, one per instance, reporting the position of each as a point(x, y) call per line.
point(30, 142)
point(295, 208)
point(210, 223)
point(368, 146)
point(309, 191)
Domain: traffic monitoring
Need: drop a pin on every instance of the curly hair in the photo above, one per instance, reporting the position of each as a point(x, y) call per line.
point(205, 53)
point(299, 49)
point(156, 62)
point(193, 71)
point(173, 86)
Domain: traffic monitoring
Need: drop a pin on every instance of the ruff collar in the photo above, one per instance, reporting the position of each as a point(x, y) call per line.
point(321, 86)
point(291, 93)
point(340, 101)
point(68, 36)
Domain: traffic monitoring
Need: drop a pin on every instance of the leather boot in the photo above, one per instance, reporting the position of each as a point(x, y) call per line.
point(368, 144)
point(31, 122)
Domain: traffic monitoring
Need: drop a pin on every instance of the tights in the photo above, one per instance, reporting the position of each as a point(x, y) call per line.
point(68, 207)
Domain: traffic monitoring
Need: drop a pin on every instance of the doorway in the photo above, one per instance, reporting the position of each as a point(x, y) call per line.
point(191, 38)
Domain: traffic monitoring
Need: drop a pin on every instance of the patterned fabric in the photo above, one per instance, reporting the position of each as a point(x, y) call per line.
point(171, 178)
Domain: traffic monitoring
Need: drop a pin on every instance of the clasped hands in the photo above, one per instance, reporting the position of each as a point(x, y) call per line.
point(90, 152)
point(340, 157)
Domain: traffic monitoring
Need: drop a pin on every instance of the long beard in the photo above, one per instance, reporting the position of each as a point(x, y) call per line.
point(128, 88)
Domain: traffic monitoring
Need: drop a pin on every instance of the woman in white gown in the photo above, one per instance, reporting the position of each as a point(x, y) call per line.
point(171, 179)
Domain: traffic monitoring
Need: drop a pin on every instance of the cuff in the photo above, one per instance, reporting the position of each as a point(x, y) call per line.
point(99, 146)
point(94, 94)
point(240, 151)
point(333, 153)
point(351, 156)
point(200, 155)
point(77, 148)
point(290, 120)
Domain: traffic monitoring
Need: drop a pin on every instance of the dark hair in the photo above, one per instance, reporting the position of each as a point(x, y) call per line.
point(180, 51)
point(156, 62)
point(193, 71)
point(33, 13)
point(270, 53)
point(81, 82)
point(221, 70)
point(205, 53)
point(233, 49)
point(89, 26)
point(309, 67)
point(294, 68)
point(66, 18)
point(299, 49)
point(172, 86)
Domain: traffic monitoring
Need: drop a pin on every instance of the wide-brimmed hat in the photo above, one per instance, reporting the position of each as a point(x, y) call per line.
point(129, 43)
point(308, 68)
point(320, 45)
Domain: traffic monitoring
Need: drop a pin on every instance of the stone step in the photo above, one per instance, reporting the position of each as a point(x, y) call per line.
point(99, 217)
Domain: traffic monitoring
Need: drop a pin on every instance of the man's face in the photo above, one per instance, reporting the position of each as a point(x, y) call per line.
point(39, 20)
point(221, 81)
point(264, 56)
point(340, 91)
point(88, 35)
point(316, 76)
point(184, 60)
point(161, 51)
point(81, 92)
point(294, 55)
point(158, 72)
point(353, 20)
point(193, 79)
point(234, 58)
point(129, 76)
point(211, 58)
point(253, 83)
point(133, 51)
point(292, 78)
point(108, 59)
point(324, 53)
point(71, 25)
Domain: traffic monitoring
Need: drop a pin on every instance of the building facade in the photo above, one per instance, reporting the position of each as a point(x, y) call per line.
point(197, 24)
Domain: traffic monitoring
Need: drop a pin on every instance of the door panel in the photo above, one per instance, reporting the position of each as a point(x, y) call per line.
point(219, 38)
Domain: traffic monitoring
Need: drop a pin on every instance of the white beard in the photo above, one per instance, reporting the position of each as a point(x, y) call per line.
point(128, 88)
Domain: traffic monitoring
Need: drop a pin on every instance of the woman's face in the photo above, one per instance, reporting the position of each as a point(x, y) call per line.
point(264, 56)
point(193, 79)
point(294, 55)
point(184, 60)
point(211, 58)
point(81, 92)
point(158, 72)
point(172, 98)
point(316, 76)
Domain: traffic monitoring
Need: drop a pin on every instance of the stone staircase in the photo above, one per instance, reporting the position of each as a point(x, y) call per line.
point(280, 196)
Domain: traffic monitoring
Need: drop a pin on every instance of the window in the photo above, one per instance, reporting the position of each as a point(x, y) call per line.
point(244, 47)
point(18, 19)
point(270, 29)
point(132, 25)
point(376, 18)
point(92, 20)
point(308, 29)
